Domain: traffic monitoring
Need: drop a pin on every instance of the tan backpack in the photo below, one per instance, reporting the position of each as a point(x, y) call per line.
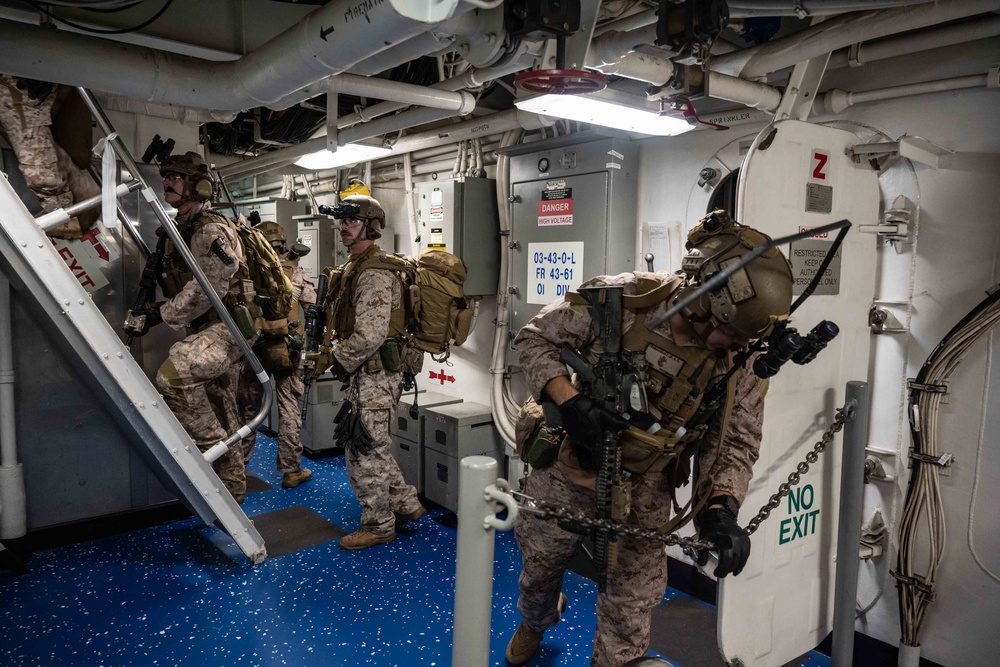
point(441, 313)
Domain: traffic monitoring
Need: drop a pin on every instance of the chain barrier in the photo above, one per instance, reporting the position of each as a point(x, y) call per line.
point(579, 522)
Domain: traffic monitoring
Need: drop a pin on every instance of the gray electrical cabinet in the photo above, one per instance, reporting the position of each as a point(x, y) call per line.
point(320, 233)
point(461, 216)
point(325, 398)
point(407, 435)
point(281, 211)
point(573, 218)
point(452, 432)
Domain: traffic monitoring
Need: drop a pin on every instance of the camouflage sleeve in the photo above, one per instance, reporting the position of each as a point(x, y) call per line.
point(305, 293)
point(191, 301)
point(730, 458)
point(373, 298)
point(557, 324)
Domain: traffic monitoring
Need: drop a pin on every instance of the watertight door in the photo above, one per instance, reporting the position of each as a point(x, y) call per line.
point(83, 335)
point(798, 176)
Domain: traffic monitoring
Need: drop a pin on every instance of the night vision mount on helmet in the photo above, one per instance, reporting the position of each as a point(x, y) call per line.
point(359, 207)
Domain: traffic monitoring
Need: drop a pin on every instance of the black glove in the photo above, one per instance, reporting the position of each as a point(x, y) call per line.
point(37, 90)
point(153, 318)
point(718, 524)
point(584, 422)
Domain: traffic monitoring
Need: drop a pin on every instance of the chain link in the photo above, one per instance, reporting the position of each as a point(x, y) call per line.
point(548, 510)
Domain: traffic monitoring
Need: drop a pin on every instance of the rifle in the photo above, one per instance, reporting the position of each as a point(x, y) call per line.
point(135, 320)
point(603, 383)
point(315, 329)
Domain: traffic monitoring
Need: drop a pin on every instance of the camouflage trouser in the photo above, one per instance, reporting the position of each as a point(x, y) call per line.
point(26, 123)
point(635, 584)
point(288, 391)
point(198, 381)
point(376, 478)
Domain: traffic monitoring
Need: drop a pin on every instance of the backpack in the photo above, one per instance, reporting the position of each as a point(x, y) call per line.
point(272, 286)
point(435, 314)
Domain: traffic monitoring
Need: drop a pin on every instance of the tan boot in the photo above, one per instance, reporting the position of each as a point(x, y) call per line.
point(410, 516)
point(292, 479)
point(525, 641)
point(364, 538)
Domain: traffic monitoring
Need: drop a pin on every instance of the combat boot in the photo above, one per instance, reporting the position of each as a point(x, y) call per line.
point(525, 641)
point(292, 479)
point(364, 538)
point(410, 516)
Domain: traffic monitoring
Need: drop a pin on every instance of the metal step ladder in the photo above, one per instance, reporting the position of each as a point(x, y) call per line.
point(63, 306)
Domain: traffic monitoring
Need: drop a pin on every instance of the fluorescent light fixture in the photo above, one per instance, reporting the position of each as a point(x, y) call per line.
point(349, 154)
point(609, 108)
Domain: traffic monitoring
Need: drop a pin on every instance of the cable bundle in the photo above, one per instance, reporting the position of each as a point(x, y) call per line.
point(923, 494)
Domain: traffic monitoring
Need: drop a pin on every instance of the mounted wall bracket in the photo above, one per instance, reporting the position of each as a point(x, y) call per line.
point(881, 320)
point(913, 148)
point(895, 226)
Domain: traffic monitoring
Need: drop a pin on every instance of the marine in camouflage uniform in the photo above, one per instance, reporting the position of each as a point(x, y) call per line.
point(636, 578)
point(385, 498)
point(288, 385)
point(26, 117)
point(199, 378)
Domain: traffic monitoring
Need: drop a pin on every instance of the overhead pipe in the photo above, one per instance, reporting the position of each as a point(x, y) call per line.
point(868, 52)
point(835, 101)
point(842, 31)
point(328, 41)
point(739, 9)
point(180, 113)
point(395, 172)
point(383, 89)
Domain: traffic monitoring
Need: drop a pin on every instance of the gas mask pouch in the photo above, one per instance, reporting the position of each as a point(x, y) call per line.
point(351, 433)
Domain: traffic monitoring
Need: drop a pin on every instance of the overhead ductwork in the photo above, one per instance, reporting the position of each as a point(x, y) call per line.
point(328, 41)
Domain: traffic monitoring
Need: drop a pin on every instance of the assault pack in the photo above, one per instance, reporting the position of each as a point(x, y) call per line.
point(435, 313)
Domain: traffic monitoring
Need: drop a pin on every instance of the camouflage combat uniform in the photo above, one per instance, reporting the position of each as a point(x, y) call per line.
point(288, 389)
point(27, 125)
point(199, 378)
point(375, 476)
point(638, 580)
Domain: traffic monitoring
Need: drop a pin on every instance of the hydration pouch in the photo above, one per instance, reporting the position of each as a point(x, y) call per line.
point(351, 433)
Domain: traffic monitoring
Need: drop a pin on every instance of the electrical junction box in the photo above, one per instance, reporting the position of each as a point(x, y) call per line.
point(321, 233)
point(452, 432)
point(461, 216)
point(406, 432)
point(573, 218)
point(325, 398)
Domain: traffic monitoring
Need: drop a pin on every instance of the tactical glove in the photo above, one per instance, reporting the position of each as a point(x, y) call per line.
point(151, 317)
point(37, 90)
point(316, 364)
point(718, 525)
point(584, 422)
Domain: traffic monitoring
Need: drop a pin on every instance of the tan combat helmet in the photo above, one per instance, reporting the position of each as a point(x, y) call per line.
point(196, 169)
point(275, 235)
point(363, 207)
point(754, 298)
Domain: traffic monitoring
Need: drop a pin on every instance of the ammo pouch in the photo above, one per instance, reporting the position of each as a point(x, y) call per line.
point(274, 355)
point(413, 360)
point(536, 443)
point(643, 451)
point(351, 433)
point(244, 320)
point(391, 353)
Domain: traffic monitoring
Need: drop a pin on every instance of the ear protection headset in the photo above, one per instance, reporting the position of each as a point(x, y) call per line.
point(203, 185)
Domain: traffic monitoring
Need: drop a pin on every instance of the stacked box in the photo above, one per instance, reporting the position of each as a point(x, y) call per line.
point(452, 432)
point(406, 432)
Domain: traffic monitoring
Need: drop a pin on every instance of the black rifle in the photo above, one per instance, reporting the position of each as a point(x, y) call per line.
point(135, 320)
point(603, 383)
point(315, 329)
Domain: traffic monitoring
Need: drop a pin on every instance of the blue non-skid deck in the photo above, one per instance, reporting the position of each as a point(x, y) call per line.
point(167, 595)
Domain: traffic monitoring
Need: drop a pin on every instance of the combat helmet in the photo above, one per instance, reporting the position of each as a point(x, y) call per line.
point(756, 297)
point(193, 166)
point(360, 207)
point(274, 233)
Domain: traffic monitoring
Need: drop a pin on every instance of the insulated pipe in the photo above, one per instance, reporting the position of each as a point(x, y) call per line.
point(634, 65)
point(13, 507)
point(633, 22)
point(842, 31)
point(394, 173)
point(179, 113)
point(383, 89)
point(328, 41)
point(981, 28)
point(739, 9)
point(852, 494)
point(836, 100)
point(735, 89)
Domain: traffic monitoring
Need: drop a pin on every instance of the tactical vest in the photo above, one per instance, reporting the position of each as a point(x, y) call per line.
point(343, 308)
point(177, 274)
point(288, 267)
point(676, 379)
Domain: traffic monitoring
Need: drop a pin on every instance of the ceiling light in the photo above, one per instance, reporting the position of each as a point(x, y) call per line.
point(345, 155)
point(608, 108)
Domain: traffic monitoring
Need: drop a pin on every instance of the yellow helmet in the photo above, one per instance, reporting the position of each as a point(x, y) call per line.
point(754, 298)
